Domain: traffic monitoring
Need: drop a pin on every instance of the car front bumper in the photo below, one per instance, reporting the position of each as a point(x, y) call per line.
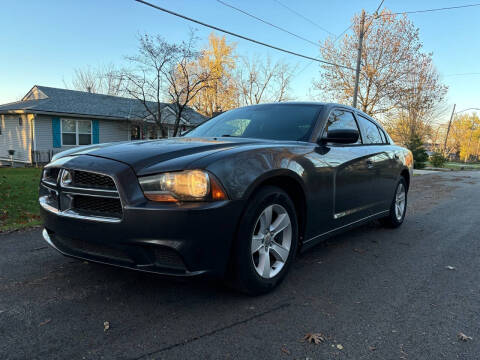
point(174, 239)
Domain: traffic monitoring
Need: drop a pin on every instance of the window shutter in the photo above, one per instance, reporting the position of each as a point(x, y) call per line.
point(95, 132)
point(56, 133)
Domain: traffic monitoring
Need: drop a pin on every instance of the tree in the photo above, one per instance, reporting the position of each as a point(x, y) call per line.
point(465, 134)
point(263, 81)
point(397, 82)
point(220, 94)
point(144, 79)
point(104, 79)
point(186, 79)
point(420, 104)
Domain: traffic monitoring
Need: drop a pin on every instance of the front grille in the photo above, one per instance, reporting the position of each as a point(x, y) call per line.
point(91, 248)
point(92, 180)
point(93, 205)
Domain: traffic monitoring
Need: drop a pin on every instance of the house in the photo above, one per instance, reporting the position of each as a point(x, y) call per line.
point(49, 120)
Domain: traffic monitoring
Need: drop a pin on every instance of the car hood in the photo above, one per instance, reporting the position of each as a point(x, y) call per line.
point(175, 153)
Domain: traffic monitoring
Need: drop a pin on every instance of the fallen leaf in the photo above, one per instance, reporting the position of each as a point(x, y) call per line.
point(45, 322)
point(462, 337)
point(372, 348)
point(106, 326)
point(285, 350)
point(450, 267)
point(315, 338)
point(360, 251)
point(339, 346)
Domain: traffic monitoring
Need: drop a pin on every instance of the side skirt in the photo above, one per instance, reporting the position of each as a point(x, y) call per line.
point(307, 244)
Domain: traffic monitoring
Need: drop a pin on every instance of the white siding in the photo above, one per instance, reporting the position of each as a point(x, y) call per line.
point(113, 130)
point(43, 133)
point(16, 137)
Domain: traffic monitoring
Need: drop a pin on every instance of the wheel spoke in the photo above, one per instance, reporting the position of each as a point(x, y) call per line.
point(400, 201)
point(266, 218)
point(281, 222)
point(280, 252)
point(264, 263)
point(256, 243)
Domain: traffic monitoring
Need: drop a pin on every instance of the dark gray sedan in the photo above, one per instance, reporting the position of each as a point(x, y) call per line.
point(236, 197)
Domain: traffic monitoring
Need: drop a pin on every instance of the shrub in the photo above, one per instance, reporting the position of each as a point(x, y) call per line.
point(420, 156)
point(438, 160)
point(418, 165)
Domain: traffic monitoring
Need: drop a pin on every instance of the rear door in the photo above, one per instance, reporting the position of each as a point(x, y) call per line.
point(380, 162)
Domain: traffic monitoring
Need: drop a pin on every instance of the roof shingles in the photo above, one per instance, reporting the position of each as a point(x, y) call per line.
point(63, 101)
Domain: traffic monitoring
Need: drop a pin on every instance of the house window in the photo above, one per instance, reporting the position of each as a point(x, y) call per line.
point(76, 132)
point(20, 121)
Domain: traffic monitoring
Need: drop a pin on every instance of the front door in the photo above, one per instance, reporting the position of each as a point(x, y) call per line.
point(352, 172)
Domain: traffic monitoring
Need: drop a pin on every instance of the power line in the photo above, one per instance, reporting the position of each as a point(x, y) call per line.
point(343, 32)
point(303, 17)
point(379, 6)
point(240, 36)
point(351, 25)
point(269, 23)
point(338, 37)
point(431, 10)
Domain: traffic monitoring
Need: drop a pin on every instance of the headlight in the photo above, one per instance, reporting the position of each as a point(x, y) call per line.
point(189, 185)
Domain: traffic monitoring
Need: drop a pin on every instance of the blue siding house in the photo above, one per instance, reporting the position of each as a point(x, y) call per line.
point(48, 120)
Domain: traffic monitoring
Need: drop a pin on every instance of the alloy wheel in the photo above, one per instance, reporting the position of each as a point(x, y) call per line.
point(400, 202)
point(271, 241)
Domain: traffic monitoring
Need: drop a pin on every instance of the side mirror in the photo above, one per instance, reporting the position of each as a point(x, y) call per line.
point(340, 136)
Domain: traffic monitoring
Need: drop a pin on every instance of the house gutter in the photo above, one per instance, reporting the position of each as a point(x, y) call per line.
point(36, 112)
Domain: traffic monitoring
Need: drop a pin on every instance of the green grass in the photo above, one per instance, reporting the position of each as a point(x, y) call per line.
point(459, 165)
point(19, 198)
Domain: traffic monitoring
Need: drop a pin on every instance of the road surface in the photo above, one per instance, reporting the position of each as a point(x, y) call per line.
point(373, 293)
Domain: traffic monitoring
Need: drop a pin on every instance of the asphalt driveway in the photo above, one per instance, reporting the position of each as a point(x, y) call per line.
point(373, 293)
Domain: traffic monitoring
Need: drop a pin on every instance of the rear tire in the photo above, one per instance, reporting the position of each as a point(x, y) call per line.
point(266, 241)
point(398, 208)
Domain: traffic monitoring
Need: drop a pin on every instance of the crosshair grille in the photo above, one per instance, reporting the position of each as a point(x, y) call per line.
point(92, 180)
point(93, 205)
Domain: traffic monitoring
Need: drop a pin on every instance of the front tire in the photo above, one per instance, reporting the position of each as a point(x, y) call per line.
point(266, 241)
point(398, 207)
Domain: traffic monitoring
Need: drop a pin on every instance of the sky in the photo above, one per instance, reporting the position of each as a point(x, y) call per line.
point(44, 41)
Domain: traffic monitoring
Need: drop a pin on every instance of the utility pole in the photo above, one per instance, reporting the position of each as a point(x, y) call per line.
point(359, 58)
point(448, 130)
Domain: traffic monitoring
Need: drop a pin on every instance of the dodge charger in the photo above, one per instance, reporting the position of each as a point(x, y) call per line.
point(237, 197)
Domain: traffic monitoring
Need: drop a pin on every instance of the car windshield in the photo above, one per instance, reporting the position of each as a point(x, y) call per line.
point(273, 121)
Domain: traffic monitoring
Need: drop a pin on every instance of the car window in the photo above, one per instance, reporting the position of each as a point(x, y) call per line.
point(271, 121)
point(382, 134)
point(371, 134)
point(342, 119)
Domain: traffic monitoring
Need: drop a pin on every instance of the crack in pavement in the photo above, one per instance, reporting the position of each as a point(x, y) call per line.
point(213, 332)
